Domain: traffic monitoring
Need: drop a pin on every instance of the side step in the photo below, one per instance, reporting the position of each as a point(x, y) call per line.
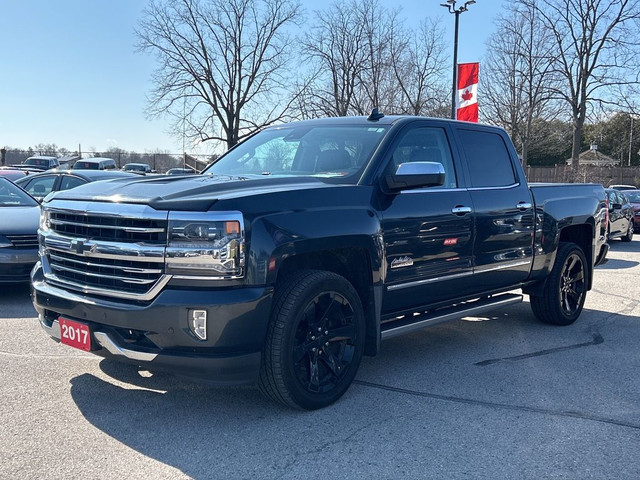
point(411, 323)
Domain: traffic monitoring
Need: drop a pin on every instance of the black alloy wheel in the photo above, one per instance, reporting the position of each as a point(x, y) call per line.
point(565, 290)
point(314, 342)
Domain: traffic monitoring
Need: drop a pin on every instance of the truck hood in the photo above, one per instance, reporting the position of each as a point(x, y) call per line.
point(188, 193)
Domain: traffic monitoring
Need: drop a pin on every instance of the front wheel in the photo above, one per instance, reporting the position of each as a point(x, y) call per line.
point(629, 236)
point(314, 341)
point(565, 291)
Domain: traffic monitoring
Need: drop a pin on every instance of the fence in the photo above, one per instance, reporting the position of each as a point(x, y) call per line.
point(160, 162)
point(585, 173)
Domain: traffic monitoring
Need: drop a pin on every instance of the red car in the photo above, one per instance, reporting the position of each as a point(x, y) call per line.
point(12, 174)
point(634, 200)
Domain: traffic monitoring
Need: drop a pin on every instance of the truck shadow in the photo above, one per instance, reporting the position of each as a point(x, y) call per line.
point(209, 432)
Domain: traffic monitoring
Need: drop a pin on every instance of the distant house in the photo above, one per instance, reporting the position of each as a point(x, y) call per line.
point(594, 158)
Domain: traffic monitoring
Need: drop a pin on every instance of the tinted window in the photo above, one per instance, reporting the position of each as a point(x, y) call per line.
point(69, 182)
point(86, 165)
point(488, 159)
point(426, 144)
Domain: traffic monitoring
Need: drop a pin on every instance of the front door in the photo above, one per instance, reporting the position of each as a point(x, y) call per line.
point(428, 232)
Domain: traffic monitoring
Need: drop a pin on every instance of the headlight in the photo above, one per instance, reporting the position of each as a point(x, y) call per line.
point(4, 242)
point(205, 244)
point(45, 220)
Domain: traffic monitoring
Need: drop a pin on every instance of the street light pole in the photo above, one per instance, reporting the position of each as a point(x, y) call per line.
point(451, 6)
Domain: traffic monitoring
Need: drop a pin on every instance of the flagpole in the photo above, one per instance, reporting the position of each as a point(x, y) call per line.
point(451, 6)
point(454, 87)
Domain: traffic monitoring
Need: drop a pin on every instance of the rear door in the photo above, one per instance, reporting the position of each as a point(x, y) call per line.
point(503, 208)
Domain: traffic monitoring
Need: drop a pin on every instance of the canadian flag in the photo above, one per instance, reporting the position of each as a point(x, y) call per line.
point(467, 104)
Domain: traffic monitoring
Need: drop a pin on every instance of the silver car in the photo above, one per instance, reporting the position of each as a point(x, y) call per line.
point(19, 219)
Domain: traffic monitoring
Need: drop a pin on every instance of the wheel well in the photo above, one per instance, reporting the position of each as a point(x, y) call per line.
point(351, 263)
point(582, 236)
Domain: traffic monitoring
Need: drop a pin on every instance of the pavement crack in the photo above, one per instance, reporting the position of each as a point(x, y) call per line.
point(597, 340)
point(503, 406)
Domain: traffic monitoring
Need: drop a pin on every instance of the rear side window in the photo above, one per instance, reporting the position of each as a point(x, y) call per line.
point(488, 159)
point(68, 182)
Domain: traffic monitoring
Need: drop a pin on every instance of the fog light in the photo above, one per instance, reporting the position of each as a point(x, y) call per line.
point(198, 323)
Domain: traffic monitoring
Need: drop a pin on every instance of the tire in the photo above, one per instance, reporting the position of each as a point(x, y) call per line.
point(315, 341)
point(565, 290)
point(629, 236)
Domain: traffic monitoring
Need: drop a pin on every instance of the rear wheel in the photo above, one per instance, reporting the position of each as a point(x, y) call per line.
point(565, 290)
point(629, 236)
point(314, 341)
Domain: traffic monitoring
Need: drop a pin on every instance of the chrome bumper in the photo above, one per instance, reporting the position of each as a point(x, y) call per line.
point(103, 339)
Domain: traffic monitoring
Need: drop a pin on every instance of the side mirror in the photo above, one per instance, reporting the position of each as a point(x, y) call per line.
point(415, 175)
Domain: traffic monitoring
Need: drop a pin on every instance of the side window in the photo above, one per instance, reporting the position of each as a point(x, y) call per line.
point(623, 198)
point(68, 182)
point(488, 159)
point(41, 186)
point(427, 144)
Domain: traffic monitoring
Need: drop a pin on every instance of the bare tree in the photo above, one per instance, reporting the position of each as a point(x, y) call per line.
point(518, 80)
point(336, 47)
point(597, 45)
point(418, 64)
point(223, 70)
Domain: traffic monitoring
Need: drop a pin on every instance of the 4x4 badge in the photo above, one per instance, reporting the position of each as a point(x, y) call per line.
point(401, 262)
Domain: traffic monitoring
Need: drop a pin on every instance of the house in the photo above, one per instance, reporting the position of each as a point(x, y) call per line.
point(594, 158)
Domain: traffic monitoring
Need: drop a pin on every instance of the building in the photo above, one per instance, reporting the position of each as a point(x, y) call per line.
point(593, 157)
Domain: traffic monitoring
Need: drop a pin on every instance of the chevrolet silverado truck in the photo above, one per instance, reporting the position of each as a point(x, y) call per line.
point(303, 247)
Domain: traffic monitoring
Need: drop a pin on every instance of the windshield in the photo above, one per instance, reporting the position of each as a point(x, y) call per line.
point(40, 162)
point(13, 196)
point(80, 165)
point(634, 196)
point(332, 152)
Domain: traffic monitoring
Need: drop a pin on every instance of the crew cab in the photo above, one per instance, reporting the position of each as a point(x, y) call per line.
point(303, 247)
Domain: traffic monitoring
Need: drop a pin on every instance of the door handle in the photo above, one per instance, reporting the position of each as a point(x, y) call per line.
point(460, 210)
point(522, 206)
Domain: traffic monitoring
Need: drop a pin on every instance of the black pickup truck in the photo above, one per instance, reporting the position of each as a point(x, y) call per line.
point(306, 245)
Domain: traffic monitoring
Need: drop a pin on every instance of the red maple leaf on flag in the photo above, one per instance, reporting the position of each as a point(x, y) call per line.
point(467, 95)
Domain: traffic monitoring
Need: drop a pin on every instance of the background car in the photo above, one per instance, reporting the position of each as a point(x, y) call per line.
point(11, 173)
point(620, 215)
point(96, 163)
point(19, 219)
point(137, 168)
point(39, 185)
point(180, 171)
point(623, 187)
point(40, 162)
point(634, 199)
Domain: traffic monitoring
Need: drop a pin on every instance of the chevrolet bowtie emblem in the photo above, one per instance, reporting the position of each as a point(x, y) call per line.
point(78, 246)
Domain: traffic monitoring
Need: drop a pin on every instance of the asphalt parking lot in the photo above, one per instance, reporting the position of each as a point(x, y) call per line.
point(495, 397)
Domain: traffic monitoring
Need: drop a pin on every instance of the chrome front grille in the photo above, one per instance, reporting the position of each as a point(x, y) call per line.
point(109, 228)
point(23, 241)
point(116, 250)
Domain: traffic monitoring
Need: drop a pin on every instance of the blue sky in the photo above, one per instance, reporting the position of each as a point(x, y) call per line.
point(70, 74)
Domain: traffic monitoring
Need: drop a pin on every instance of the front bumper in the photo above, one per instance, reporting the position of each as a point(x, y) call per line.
point(16, 264)
point(156, 335)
